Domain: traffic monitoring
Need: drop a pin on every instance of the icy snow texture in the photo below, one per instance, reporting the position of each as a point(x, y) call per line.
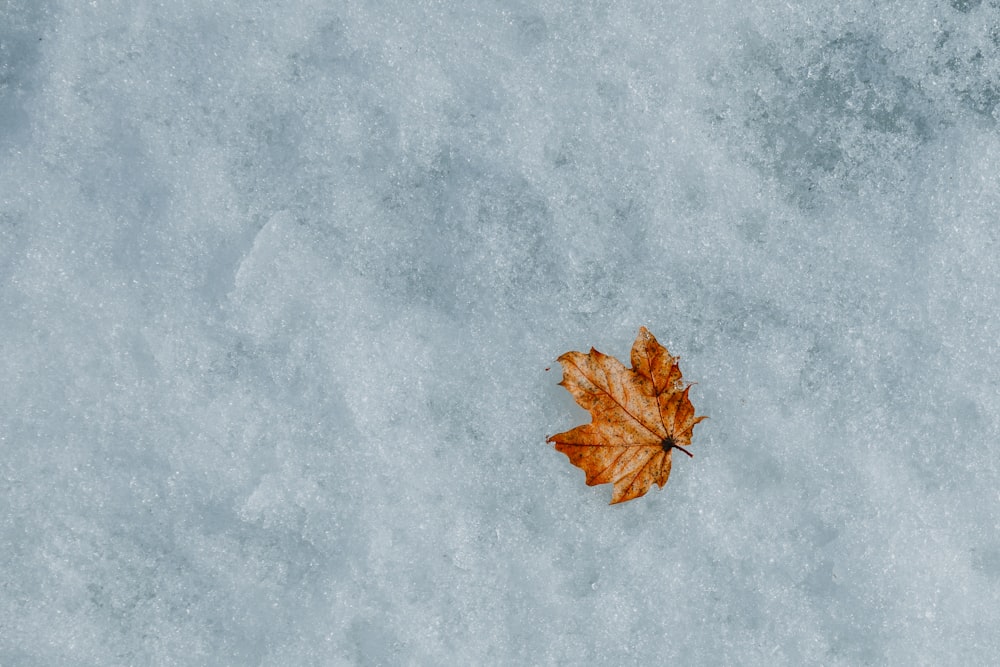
point(279, 282)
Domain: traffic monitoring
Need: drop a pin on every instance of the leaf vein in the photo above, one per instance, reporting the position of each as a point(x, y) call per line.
point(607, 393)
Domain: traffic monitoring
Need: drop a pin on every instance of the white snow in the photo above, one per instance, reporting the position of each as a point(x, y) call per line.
point(279, 283)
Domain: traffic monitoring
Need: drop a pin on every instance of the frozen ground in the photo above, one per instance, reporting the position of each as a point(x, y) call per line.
point(279, 282)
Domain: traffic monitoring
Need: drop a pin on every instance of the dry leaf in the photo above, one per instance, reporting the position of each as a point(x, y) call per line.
point(639, 415)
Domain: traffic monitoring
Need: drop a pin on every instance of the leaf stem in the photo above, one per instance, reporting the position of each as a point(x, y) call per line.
point(683, 450)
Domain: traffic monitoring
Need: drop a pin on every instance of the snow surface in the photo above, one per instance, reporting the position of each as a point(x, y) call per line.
point(280, 281)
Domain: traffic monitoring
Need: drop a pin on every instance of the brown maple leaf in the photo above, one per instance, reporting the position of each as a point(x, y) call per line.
point(639, 415)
